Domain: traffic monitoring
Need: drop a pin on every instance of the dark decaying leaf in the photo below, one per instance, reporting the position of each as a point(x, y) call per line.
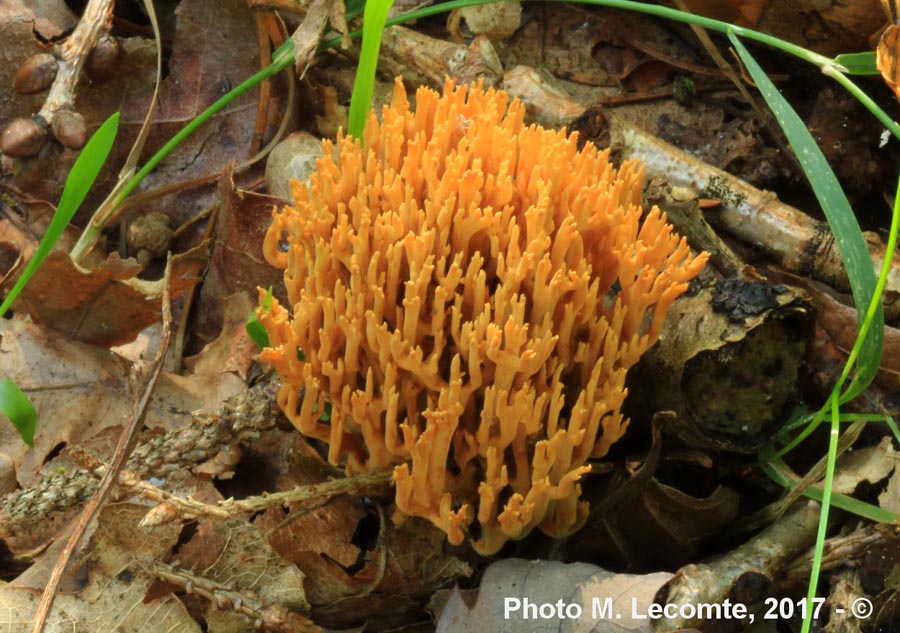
point(237, 264)
point(357, 568)
point(729, 364)
point(639, 521)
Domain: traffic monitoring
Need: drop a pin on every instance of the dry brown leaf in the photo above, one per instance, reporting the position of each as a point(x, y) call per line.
point(7, 474)
point(661, 524)
point(887, 55)
point(862, 17)
point(615, 596)
point(232, 352)
point(308, 35)
point(546, 103)
point(837, 318)
point(16, 247)
point(214, 49)
point(327, 530)
point(112, 596)
point(105, 306)
point(890, 499)
point(333, 118)
point(852, 21)
point(236, 263)
point(496, 20)
point(873, 465)
point(827, 26)
point(716, 9)
point(235, 553)
point(740, 12)
point(318, 542)
point(356, 569)
point(80, 391)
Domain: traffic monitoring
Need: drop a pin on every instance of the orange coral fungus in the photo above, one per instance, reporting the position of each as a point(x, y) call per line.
point(469, 293)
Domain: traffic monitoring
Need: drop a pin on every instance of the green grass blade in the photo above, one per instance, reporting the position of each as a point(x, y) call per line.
point(15, 405)
point(823, 517)
point(282, 58)
point(893, 427)
point(858, 63)
point(85, 171)
point(13, 402)
point(81, 178)
point(626, 5)
point(845, 418)
point(776, 472)
point(840, 217)
point(374, 19)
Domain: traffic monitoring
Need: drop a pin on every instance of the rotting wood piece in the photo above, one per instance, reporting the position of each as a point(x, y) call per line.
point(729, 364)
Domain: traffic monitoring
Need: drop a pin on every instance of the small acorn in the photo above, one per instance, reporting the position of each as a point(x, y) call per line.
point(23, 137)
point(69, 129)
point(36, 74)
point(150, 235)
point(102, 60)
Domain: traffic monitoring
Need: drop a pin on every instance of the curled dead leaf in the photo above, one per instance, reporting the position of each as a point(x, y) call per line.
point(109, 305)
point(496, 20)
point(508, 585)
point(162, 514)
point(886, 57)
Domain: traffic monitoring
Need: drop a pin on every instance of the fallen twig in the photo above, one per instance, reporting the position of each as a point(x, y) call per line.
point(188, 507)
point(798, 243)
point(426, 60)
point(239, 419)
point(274, 617)
point(744, 574)
point(123, 448)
